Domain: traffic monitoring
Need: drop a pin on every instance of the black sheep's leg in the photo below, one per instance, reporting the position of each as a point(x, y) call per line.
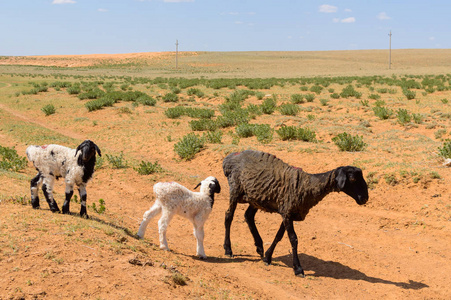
point(69, 193)
point(83, 196)
point(228, 222)
point(268, 255)
point(34, 188)
point(288, 222)
point(47, 188)
point(250, 220)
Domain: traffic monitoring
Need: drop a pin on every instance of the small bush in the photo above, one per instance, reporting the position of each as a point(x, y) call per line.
point(374, 96)
point(310, 97)
point(287, 133)
point(10, 160)
point(349, 91)
point(297, 99)
point(445, 150)
point(382, 112)
point(147, 168)
point(335, 96)
point(170, 97)
point(117, 161)
point(269, 105)
point(323, 101)
point(289, 109)
point(189, 145)
point(403, 116)
point(49, 109)
point(417, 118)
point(195, 92)
point(347, 142)
point(101, 208)
point(263, 132)
point(174, 112)
point(409, 94)
point(203, 125)
point(213, 137)
point(316, 89)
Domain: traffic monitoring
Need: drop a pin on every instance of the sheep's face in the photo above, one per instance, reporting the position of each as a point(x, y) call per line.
point(209, 185)
point(88, 150)
point(350, 181)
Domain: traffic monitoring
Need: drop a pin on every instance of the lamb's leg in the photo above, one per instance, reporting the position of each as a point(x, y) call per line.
point(69, 193)
point(83, 196)
point(250, 220)
point(47, 188)
point(199, 234)
point(148, 215)
point(228, 222)
point(34, 187)
point(288, 222)
point(163, 224)
point(268, 255)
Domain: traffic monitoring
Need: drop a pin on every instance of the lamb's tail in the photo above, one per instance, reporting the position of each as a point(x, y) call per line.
point(31, 152)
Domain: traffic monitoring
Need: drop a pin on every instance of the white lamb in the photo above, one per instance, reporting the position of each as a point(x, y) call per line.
point(76, 166)
point(173, 198)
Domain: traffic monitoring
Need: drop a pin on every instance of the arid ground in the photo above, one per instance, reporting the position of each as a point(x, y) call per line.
point(397, 246)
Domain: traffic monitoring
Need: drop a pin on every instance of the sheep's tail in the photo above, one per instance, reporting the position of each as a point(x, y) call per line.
point(31, 152)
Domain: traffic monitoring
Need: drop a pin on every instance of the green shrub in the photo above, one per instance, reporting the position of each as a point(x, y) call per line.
point(189, 145)
point(444, 101)
point(97, 104)
point(349, 91)
point(245, 130)
point(306, 135)
point(287, 133)
point(445, 150)
point(263, 132)
point(335, 96)
point(269, 105)
point(174, 112)
point(147, 168)
point(101, 209)
point(382, 112)
point(403, 116)
point(49, 109)
point(409, 94)
point(374, 96)
point(195, 92)
point(310, 97)
point(289, 109)
point(365, 102)
point(323, 101)
point(347, 142)
point(203, 125)
point(213, 137)
point(316, 89)
point(117, 161)
point(297, 98)
point(201, 113)
point(10, 160)
point(170, 97)
point(417, 118)
point(146, 100)
point(74, 90)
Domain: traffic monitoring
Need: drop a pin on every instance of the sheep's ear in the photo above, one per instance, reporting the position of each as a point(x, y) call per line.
point(98, 150)
point(78, 149)
point(197, 185)
point(217, 187)
point(340, 178)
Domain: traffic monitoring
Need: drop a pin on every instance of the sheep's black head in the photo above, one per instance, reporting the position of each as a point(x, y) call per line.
point(350, 181)
point(88, 150)
point(209, 185)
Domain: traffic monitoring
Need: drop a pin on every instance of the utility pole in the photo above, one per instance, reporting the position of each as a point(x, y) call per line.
point(389, 54)
point(176, 54)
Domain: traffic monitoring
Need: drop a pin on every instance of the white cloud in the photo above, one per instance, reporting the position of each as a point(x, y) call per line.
point(432, 38)
point(102, 10)
point(383, 16)
point(177, 1)
point(326, 8)
point(348, 10)
point(64, 2)
point(348, 20)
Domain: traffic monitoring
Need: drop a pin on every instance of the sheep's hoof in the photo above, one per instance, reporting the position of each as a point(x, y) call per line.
point(299, 273)
point(36, 207)
point(202, 257)
point(85, 216)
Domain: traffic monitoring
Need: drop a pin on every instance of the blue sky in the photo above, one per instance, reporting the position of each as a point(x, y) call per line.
point(43, 27)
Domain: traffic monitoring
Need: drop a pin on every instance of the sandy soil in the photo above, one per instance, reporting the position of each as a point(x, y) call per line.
point(397, 246)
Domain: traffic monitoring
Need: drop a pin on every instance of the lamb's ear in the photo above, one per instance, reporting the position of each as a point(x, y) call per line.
point(198, 185)
point(78, 149)
point(340, 178)
point(217, 186)
point(98, 150)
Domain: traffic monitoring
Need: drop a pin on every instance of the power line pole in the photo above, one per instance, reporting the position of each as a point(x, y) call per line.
point(389, 55)
point(176, 54)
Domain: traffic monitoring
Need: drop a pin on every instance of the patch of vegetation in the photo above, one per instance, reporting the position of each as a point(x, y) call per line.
point(49, 109)
point(445, 149)
point(347, 142)
point(10, 160)
point(99, 209)
point(147, 168)
point(296, 133)
point(117, 161)
point(189, 146)
point(289, 109)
